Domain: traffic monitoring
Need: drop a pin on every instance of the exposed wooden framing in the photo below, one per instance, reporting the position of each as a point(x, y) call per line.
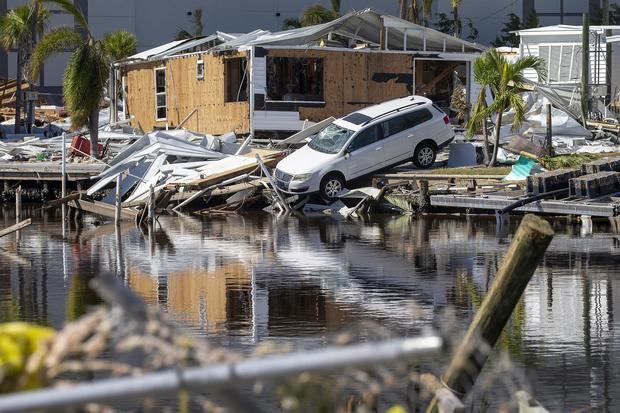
point(213, 115)
point(428, 86)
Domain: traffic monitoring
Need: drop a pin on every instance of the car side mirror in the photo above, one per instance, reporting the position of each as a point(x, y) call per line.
point(347, 153)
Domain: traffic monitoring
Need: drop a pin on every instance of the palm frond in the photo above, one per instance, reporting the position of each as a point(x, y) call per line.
point(84, 81)
point(119, 44)
point(56, 40)
point(14, 27)
point(77, 14)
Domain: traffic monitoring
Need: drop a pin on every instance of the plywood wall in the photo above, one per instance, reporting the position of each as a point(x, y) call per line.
point(354, 80)
point(185, 93)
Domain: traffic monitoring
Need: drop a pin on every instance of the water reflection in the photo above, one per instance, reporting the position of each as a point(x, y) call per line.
point(241, 280)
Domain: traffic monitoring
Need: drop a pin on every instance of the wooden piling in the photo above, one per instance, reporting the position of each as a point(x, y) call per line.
point(117, 215)
point(152, 205)
point(18, 204)
point(549, 143)
point(526, 250)
point(63, 184)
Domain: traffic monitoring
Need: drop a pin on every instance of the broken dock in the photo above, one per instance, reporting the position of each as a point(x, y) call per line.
point(592, 190)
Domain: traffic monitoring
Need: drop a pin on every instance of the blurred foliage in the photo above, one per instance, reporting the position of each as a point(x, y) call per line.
point(18, 341)
point(574, 160)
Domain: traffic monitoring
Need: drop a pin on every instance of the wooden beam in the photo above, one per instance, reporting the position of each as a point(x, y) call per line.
point(16, 227)
point(101, 208)
point(428, 86)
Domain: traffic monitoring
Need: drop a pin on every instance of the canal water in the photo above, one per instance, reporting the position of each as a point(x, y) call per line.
point(240, 280)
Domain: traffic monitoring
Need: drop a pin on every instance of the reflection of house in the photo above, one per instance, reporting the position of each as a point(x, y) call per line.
point(264, 81)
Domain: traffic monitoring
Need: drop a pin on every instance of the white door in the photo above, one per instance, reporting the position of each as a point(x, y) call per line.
point(365, 153)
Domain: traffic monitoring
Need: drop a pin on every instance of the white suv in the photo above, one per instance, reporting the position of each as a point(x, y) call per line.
point(400, 130)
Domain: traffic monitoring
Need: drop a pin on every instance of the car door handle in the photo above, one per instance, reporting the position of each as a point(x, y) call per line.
point(379, 148)
point(411, 136)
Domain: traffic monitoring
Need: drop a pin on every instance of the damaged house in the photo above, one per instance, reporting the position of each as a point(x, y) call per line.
point(263, 82)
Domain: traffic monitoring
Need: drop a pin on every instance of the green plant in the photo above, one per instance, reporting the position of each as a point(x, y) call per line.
point(316, 14)
point(87, 70)
point(16, 32)
point(505, 79)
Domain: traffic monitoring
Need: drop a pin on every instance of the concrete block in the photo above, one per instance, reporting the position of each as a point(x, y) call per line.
point(595, 185)
point(605, 164)
point(550, 180)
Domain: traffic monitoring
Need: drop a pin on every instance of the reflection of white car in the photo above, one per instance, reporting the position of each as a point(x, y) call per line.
point(400, 130)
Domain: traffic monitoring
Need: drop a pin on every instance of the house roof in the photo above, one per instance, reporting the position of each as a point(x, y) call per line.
point(361, 27)
point(358, 27)
point(560, 29)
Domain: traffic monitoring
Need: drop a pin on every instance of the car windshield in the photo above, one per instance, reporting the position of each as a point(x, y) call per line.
point(331, 139)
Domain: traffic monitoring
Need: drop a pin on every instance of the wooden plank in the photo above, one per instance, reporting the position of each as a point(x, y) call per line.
point(60, 201)
point(103, 209)
point(16, 227)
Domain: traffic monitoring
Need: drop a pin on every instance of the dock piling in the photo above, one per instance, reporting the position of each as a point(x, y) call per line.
point(526, 250)
point(64, 166)
point(117, 216)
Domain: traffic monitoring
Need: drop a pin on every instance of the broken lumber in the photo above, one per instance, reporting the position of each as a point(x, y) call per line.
point(71, 197)
point(526, 251)
point(101, 208)
point(16, 227)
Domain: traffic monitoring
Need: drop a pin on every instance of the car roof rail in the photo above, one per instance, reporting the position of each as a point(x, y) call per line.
point(389, 112)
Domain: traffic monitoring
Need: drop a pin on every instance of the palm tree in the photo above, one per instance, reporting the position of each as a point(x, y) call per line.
point(455, 12)
point(316, 14)
point(87, 70)
point(506, 80)
point(16, 31)
point(291, 23)
point(484, 76)
point(197, 30)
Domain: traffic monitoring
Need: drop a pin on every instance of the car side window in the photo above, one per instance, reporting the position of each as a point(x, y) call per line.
point(393, 126)
point(364, 138)
point(418, 117)
point(403, 122)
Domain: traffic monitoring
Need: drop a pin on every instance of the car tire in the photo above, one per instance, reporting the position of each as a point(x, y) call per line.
point(331, 185)
point(424, 155)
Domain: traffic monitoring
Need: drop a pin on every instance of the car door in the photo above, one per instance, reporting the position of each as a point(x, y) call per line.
point(365, 153)
point(395, 136)
point(403, 133)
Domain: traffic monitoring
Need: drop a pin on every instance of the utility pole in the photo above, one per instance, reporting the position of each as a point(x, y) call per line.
point(608, 60)
point(33, 42)
point(585, 67)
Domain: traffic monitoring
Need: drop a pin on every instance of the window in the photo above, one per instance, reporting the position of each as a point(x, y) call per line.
point(160, 93)
point(331, 139)
point(403, 122)
point(365, 138)
point(200, 70)
point(357, 118)
point(295, 79)
point(563, 62)
point(236, 78)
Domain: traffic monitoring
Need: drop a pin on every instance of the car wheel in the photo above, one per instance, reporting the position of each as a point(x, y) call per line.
point(331, 185)
point(424, 155)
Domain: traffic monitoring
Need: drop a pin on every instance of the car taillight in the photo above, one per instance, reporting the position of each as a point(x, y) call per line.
point(446, 120)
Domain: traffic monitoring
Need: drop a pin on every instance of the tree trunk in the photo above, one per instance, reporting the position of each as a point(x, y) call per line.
point(18, 90)
point(457, 22)
point(403, 9)
point(498, 125)
point(415, 13)
point(487, 156)
point(93, 129)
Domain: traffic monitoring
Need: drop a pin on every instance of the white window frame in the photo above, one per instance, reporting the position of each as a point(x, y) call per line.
point(157, 69)
point(562, 46)
point(200, 75)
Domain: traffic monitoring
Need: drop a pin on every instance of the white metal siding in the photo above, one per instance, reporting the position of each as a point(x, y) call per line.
point(259, 75)
point(277, 121)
